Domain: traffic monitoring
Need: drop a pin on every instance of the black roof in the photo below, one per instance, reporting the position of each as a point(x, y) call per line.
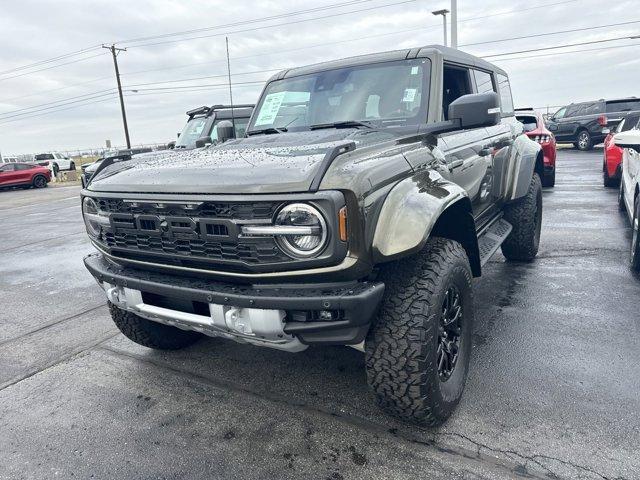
point(222, 111)
point(448, 53)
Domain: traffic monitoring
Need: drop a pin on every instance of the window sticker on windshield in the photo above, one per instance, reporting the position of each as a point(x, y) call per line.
point(409, 94)
point(270, 108)
point(414, 70)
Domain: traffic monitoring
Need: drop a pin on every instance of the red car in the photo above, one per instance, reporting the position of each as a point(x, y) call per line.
point(536, 130)
point(611, 168)
point(23, 174)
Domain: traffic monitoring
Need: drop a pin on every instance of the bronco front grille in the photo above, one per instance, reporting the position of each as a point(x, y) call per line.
point(189, 233)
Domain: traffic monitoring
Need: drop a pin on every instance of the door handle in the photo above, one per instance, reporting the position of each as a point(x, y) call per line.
point(455, 164)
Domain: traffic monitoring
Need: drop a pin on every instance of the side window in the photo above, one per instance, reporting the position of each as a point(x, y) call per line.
point(575, 110)
point(20, 166)
point(593, 108)
point(560, 113)
point(629, 123)
point(504, 88)
point(241, 126)
point(484, 82)
point(8, 168)
point(456, 82)
point(626, 106)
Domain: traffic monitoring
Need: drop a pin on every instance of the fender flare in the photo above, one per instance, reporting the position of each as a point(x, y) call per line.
point(526, 157)
point(410, 212)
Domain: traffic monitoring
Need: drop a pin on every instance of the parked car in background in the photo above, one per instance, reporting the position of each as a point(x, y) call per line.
point(23, 174)
point(202, 122)
point(89, 168)
point(8, 160)
point(536, 130)
point(587, 124)
point(55, 161)
point(612, 165)
point(629, 197)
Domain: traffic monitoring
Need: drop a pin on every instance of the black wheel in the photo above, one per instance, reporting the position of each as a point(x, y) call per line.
point(417, 352)
point(584, 142)
point(72, 167)
point(39, 181)
point(525, 215)
point(151, 334)
point(635, 237)
point(608, 181)
point(549, 178)
point(621, 205)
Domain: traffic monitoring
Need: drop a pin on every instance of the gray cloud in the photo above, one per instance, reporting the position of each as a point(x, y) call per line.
point(31, 31)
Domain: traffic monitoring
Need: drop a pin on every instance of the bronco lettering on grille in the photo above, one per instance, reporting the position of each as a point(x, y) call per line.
point(174, 226)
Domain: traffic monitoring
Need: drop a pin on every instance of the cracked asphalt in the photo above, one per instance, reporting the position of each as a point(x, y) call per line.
point(553, 390)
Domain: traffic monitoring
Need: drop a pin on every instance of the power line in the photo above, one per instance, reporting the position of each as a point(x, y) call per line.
point(53, 66)
point(56, 101)
point(559, 46)
point(40, 92)
point(244, 22)
point(56, 111)
point(55, 106)
point(275, 25)
point(49, 60)
point(571, 51)
point(550, 33)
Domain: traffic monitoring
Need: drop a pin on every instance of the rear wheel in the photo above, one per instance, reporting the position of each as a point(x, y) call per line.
point(584, 142)
point(635, 237)
point(525, 215)
point(549, 178)
point(39, 181)
point(609, 182)
point(151, 334)
point(417, 352)
point(72, 167)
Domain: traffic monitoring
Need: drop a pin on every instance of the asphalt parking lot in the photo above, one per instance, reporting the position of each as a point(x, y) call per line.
point(552, 393)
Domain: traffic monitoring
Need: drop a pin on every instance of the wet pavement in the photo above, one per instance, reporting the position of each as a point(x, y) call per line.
point(553, 390)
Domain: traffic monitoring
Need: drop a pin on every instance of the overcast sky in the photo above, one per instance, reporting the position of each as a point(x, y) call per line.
point(87, 112)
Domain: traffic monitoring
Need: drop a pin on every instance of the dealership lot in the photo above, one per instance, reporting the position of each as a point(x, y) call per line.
point(552, 390)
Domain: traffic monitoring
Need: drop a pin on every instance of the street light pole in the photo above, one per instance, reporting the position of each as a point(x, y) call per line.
point(114, 53)
point(443, 12)
point(454, 23)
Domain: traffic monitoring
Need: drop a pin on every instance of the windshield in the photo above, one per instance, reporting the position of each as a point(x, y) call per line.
point(389, 93)
point(191, 132)
point(44, 156)
point(529, 122)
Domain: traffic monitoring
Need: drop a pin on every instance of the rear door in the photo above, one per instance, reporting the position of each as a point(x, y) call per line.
point(568, 125)
point(23, 172)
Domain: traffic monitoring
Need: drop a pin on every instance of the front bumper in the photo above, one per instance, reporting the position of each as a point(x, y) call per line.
point(353, 304)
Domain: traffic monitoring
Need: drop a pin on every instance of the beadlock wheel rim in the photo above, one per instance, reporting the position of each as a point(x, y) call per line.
point(449, 333)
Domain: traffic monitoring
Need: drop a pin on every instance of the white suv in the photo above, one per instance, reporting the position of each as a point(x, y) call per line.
point(50, 159)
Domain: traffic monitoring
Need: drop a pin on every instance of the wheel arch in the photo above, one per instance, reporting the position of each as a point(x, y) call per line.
point(526, 158)
point(419, 208)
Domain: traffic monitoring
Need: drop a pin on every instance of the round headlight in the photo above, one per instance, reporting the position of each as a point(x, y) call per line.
point(302, 215)
point(90, 213)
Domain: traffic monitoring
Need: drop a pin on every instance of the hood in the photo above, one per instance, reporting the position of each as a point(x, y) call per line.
point(275, 163)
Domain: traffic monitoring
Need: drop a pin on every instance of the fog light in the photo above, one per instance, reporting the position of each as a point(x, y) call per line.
point(325, 315)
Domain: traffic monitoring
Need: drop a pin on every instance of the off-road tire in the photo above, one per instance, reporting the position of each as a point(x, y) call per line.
point(525, 215)
point(549, 179)
point(635, 237)
point(39, 181)
point(584, 141)
point(609, 182)
point(401, 348)
point(151, 334)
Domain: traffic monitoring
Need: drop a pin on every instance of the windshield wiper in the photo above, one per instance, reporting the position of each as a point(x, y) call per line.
point(343, 124)
point(267, 130)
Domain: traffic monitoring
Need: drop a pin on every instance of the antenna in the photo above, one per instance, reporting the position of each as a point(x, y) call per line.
point(233, 119)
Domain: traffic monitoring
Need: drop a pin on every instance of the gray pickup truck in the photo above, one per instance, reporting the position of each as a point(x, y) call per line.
point(368, 193)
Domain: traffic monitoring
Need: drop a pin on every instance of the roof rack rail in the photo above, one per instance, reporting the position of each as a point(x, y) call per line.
point(204, 110)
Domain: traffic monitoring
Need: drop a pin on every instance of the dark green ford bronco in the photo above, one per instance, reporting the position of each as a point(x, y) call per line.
point(366, 195)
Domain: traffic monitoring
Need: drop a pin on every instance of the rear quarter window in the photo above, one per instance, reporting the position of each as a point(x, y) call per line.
point(623, 106)
point(506, 99)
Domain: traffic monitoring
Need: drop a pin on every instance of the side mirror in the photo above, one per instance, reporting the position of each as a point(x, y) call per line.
point(628, 139)
point(171, 145)
point(203, 142)
point(225, 131)
point(476, 110)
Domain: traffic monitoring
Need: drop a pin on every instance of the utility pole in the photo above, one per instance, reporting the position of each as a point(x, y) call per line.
point(443, 12)
point(454, 23)
point(233, 119)
point(114, 53)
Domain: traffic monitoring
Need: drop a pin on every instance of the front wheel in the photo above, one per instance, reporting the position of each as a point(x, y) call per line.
point(584, 142)
point(549, 179)
point(151, 334)
point(609, 182)
point(417, 352)
point(525, 216)
point(635, 237)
